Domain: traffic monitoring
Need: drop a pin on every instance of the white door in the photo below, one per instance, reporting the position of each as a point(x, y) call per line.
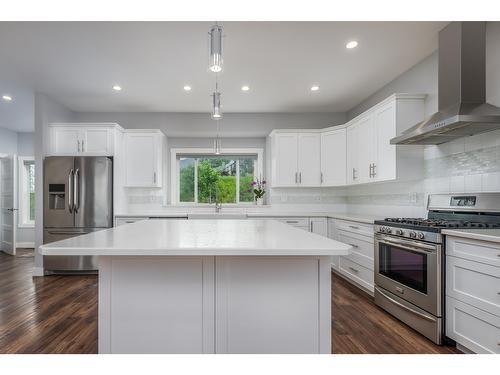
point(285, 159)
point(365, 148)
point(309, 161)
point(65, 140)
point(333, 158)
point(385, 129)
point(352, 154)
point(96, 141)
point(141, 160)
point(8, 203)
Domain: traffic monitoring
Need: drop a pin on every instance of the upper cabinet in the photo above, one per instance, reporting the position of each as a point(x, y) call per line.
point(370, 155)
point(296, 159)
point(144, 158)
point(333, 157)
point(83, 139)
point(358, 152)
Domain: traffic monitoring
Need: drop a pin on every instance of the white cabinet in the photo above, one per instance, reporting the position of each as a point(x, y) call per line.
point(83, 139)
point(358, 266)
point(333, 158)
point(144, 158)
point(319, 225)
point(296, 159)
point(285, 159)
point(472, 294)
point(309, 160)
point(370, 155)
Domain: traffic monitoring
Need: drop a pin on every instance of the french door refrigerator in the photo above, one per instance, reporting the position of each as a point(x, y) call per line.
point(78, 199)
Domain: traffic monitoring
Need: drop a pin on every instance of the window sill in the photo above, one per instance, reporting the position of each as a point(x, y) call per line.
point(24, 225)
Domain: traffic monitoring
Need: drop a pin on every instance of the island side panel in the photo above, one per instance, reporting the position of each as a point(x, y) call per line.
point(268, 304)
point(161, 304)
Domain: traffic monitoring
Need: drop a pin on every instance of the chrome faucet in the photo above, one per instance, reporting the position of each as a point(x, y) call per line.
point(218, 206)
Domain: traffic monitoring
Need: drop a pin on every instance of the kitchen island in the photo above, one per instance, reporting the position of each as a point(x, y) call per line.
point(210, 286)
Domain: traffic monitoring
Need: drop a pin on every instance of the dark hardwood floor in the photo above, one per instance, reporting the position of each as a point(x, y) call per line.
point(58, 314)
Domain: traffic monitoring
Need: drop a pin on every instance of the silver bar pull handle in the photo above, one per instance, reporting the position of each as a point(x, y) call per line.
point(154, 177)
point(353, 245)
point(418, 313)
point(78, 141)
point(70, 190)
point(300, 177)
point(83, 147)
point(353, 227)
point(374, 170)
point(354, 269)
point(296, 181)
point(76, 190)
point(321, 177)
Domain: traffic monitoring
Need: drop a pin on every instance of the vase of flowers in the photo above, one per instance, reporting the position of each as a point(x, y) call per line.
point(258, 188)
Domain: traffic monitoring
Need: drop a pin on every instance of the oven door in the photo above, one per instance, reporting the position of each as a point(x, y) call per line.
point(411, 270)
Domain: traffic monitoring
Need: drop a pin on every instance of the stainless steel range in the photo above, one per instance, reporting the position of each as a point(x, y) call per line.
point(410, 257)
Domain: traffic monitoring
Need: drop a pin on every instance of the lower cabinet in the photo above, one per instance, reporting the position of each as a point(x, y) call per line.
point(473, 294)
point(357, 267)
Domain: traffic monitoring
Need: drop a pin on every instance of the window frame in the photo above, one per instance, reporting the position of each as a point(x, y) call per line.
point(23, 193)
point(175, 171)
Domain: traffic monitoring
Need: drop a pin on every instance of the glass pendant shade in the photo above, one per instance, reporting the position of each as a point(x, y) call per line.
point(215, 49)
point(217, 146)
point(216, 109)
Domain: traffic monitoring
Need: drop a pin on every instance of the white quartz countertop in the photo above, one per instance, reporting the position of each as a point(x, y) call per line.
point(491, 235)
point(256, 213)
point(199, 238)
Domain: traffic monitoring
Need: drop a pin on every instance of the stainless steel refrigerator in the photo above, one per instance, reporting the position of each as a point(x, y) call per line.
point(78, 199)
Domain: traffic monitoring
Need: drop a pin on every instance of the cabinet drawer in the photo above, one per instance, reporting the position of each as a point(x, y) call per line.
point(353, 227)
point(479, 251)
point(127, 220)
point(475, 283)
point(295, 221)
point(471, 327)
point(359, 274)
point(361, 252)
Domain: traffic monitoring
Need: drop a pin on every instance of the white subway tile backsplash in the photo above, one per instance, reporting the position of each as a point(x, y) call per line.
point(457, 184)
point(473, 183)
point(491, 181)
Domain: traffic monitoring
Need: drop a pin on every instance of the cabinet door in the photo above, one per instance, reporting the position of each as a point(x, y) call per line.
point(309, 162)
point(352, 154)
point(65, 140)
point(142, 160)
point(97, 141)
point(365, 148)
point(319, 225)
point(385, 129)
point(333, 158)
point(285, 159)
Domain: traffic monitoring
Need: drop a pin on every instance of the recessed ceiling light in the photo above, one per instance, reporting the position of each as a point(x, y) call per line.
point(315, 88)
point(187, 88)
point(7, 98)
point(245, 88)
point(117, 88)
point(352, 44)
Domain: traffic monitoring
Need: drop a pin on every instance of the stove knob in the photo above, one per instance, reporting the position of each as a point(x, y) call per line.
point(399, 232)
point(420, 235)
point(381, 229)
point(388, 230)
point(413, 234)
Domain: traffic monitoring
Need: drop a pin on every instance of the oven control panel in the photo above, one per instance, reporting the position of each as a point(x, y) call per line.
point(409, 233)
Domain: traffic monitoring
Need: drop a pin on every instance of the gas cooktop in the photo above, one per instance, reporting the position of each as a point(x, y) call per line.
point(439, 223)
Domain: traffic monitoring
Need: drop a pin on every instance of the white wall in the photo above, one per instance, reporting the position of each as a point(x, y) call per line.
point(8, 141)
point(468, 164)
point(46, 111)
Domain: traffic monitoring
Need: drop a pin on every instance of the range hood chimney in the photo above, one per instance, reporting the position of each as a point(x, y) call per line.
point(463, 110)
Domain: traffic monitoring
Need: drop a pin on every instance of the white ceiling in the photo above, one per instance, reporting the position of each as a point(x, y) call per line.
point(77, 63)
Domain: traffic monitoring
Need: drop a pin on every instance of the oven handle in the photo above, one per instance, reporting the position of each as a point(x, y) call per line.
point(418, 313)
point(418, 247)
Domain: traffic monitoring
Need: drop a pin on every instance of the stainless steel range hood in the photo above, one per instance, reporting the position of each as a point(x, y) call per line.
point(463, 110)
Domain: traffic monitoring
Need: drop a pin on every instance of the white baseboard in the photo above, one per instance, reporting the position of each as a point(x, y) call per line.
point(25, 245)
point(37, 271)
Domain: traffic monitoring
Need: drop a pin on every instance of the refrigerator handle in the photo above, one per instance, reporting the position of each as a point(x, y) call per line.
point(76, 191)
point(70, 190)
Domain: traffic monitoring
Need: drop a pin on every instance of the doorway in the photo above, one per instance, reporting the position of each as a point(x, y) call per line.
point(8, 203)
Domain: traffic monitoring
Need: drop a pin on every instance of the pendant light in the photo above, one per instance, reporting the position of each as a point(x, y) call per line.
point(215, 49)
point(216, 109)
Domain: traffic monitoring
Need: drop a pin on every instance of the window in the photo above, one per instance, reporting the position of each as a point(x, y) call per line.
point(27, 191)
point(201, 178)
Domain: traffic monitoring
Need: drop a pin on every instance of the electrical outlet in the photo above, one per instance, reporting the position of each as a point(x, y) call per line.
point(413, 197)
